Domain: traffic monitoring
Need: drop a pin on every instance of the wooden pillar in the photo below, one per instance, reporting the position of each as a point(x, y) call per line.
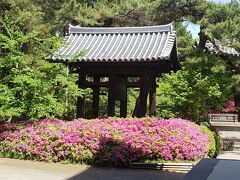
point(95, 103)
point(80, 100)
point(123, 98)
point(80, 107)
point(111, 99)
point(143, 96)
point(136, 108)
point(152, 98)
point(123, 108)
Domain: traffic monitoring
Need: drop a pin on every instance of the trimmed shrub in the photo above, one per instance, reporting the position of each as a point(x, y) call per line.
point(116, 142)
point(219, 143)
point(215, 141)
point(212, 150)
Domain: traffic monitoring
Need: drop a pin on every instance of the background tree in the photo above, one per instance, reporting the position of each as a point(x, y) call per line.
point(32, 88)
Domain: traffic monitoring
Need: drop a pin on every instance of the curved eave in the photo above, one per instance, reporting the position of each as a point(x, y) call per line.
point(65, 60)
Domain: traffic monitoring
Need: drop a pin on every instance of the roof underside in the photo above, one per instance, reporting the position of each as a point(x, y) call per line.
point(150, 43)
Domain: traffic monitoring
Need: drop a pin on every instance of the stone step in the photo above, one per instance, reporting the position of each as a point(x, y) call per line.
point(176, 167)
point(236, 145)
point(236, 149)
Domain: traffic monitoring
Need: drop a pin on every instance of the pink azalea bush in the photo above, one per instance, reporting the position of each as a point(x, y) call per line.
point(228, 107)
point(120, 141)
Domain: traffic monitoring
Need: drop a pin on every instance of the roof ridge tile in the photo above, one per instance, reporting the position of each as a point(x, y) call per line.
point(120, 30)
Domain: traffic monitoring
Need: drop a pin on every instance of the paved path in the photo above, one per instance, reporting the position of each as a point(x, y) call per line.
point(11, 169)
point(215, 169)
point(235, 155)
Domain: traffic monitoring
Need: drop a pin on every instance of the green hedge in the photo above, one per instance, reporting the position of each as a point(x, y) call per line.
point(215, 146)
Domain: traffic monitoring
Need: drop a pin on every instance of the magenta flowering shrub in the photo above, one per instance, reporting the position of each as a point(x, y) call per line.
point(229, 106)
point(120, 141)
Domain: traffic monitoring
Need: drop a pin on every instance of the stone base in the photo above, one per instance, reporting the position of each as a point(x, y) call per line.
point(230, 134)
point(176, 167)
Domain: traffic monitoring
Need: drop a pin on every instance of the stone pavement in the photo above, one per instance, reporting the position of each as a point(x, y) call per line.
point(215, 169)
point(12, 169)
point(235, 155)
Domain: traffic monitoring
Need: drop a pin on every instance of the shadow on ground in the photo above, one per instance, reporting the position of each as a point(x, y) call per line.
point(96, 173)
point(108, 160)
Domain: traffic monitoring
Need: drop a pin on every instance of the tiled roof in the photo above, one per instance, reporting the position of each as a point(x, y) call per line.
point(117, 44)
point(222, 50)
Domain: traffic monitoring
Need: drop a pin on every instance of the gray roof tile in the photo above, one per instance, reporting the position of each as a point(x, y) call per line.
point(117, 44)
point(222, 50)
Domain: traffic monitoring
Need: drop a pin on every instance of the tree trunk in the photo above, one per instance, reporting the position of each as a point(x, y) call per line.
point(9, 119)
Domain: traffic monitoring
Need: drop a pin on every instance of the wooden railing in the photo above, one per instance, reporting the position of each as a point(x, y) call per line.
point(223, 117)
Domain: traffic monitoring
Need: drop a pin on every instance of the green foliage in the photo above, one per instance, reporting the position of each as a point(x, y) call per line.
point(223, 24)
point(213, 144)
point(199, 86)
point(185, 95)
point(32, 88)
point(176, 10)
point(224, 20)
point(184, 39)
point(218, 141)
point(204, 81)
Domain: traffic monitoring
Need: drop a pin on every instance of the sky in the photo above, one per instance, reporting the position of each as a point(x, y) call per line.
point(195, 28)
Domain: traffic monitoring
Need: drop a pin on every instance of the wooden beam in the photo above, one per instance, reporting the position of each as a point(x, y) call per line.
point(133, 84)
point(106, 84)
point(115, 70)
point(130, 69)
point(95, 103)
point(143, 64)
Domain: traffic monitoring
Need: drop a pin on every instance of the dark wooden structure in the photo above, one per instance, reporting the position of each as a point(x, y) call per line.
point(112, 56)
